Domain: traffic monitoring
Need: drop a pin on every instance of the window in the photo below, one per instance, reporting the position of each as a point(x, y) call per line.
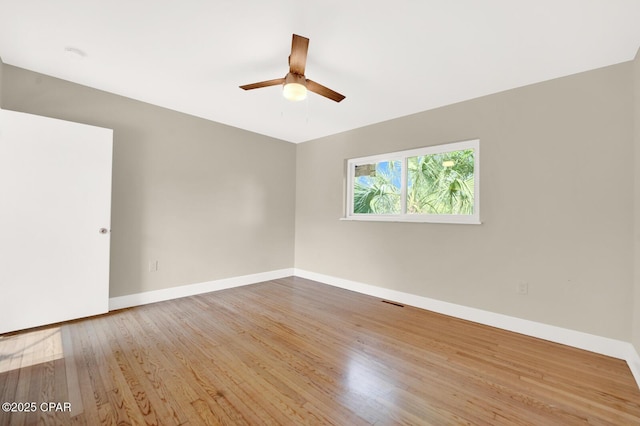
point(432, 184)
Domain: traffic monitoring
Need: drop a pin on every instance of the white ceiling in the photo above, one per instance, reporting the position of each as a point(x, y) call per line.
point(390, 58)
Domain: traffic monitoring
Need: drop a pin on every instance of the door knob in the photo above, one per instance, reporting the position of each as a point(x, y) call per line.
point(104, 231)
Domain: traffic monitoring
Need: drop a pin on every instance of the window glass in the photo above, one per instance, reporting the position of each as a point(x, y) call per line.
point(441, 183)
point(376, 188)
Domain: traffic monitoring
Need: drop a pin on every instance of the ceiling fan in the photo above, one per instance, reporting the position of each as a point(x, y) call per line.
point(295, 84)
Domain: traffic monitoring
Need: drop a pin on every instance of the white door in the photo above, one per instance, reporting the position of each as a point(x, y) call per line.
point(55, 197)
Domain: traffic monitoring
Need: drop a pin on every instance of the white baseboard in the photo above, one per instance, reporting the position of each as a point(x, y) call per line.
point(598, 344)
point(633, 360)
point(137, 299)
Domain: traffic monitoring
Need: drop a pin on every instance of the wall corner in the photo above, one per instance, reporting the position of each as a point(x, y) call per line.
point(635, 328)
point(1, 80)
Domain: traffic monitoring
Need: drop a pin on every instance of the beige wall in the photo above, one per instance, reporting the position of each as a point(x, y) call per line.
point(636, 210)
point(556, 179)
point(206, 200)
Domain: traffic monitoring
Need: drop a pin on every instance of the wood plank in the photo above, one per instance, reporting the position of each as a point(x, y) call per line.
point(71, 372)
point(192, 390)
point(293, 351)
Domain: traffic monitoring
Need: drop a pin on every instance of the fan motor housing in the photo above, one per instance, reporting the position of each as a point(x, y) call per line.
point(295, 78)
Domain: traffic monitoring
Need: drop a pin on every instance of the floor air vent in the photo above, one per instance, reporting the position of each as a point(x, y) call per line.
point(393, 303)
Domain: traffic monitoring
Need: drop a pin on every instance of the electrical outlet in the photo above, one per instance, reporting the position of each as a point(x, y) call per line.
point(523, 287)
point(153, 265)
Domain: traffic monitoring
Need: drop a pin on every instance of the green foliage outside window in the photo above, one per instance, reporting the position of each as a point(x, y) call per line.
point(441, 183)
point(378, 192)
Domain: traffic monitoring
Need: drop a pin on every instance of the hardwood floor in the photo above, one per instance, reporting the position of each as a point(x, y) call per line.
point(293, 351)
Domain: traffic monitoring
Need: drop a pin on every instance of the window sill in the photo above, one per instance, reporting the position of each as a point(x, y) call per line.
point(416, 219)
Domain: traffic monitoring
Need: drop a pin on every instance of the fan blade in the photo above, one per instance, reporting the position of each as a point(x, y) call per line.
point(324, 91)
point(298, 57)
point(267, 83)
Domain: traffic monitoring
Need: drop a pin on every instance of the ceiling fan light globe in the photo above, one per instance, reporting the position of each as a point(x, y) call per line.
point(294, 91)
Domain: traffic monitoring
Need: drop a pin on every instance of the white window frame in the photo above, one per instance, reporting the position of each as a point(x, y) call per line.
point(403, 157)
